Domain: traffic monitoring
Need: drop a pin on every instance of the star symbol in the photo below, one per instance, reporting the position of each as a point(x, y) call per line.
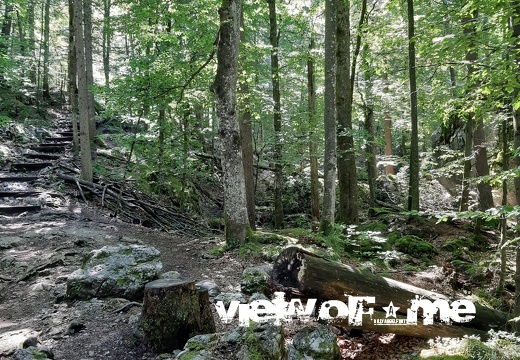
point(391, 310)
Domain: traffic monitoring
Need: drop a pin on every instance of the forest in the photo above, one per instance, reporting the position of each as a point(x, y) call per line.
point(383, 134)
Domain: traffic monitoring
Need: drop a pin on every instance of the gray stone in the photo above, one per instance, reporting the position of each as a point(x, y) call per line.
point(115, 271)
point(256, 280)
point(33, 353)
point(257, 296)
point(210, 285)
point(261, 341)
point(170, 275)
point(228, 297)
point(9, 242)
point(314, 344)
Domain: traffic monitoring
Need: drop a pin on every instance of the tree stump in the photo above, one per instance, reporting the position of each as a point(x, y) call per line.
point(174, 311)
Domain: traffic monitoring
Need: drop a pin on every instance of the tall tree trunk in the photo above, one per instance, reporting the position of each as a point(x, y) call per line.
point(514, 22)
point(313, 145)
point(277, 117)
point(235, 203)
point(31, 40)
point(46, 31)
point(107, 36)
point(347, 172)
point(246, 133)
point(389, 169)
point(329, 119)
point(87, 11)
point(413, 187)
point(371, 154)
point(73, 99)
point(86, 157)
point(485, 197)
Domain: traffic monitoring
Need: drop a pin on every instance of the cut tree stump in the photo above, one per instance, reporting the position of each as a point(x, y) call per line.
point(308, 275)
point(174, 311)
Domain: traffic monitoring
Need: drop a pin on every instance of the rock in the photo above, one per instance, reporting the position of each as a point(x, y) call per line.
point(257, 296)
point(10, 341)
point(30, 341)
point(115, 271)
point(228, 297)
point(261, 341)
point(314, 344)
point(256, 280)
point(210, 285)
point(170, 275)
point(74, 327)
point(9, 242)
point(33, 353)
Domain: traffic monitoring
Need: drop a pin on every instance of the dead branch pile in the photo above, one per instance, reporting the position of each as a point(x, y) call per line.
point(131, 205)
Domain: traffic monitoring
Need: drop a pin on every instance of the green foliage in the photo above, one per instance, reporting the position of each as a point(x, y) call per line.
point(415, 246)
point(4, 120)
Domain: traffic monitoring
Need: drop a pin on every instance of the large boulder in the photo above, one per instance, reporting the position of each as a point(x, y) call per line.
point(256, 279)
point(115, 271)
point(314, 344)
point(259, 341)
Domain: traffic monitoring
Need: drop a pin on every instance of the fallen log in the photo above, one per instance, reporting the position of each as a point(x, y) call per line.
point(303, 273)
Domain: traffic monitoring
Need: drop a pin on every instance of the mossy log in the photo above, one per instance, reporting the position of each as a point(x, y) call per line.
point(308, 275)
point(174, 311)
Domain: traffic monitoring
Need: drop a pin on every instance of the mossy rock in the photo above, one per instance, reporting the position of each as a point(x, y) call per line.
point(374, 226)
point(476, 349)
point(378, 211)
point(413, 245)
point(267, 238)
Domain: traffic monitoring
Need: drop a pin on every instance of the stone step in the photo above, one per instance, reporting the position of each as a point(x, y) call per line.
point(42, 156)
point(49, 148)
point(15, 167)
point(17, 179)
point(17, 210)
point(59, 139)
point(18, 194)
point(65, 133)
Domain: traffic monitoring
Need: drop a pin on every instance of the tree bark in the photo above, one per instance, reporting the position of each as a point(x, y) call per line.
point(329, 163)
point(413, 187)
point(46, 30)
point(107, 37)
point(87, 30)
point(313, 146)
point(86, 157)
point(174, 311)
point(303, 273)
point(389, 169)
point(246, 133)
point(224, 87)
point(277, 117)
point(347, 172)
point(73, 98)
point(485, 197)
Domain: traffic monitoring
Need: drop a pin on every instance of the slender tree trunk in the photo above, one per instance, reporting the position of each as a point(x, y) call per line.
point(329, 163)
point(413, 187)
point(246, 133)
point(107, 36)
point(514, 24)
point(485, 197)
point(46, 31)
point(73, 99)
point(277, 117)
point(31, 41)
point(371, 154)
point(389, 169)
point(224, 87)
point(87, 11)
point(313, 145)
point(503, 219)
point(468, 152)
point(86, 157)
point(347, 173)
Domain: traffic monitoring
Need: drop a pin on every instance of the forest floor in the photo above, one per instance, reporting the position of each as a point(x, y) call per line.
point(93, 329)
point(51, 244)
